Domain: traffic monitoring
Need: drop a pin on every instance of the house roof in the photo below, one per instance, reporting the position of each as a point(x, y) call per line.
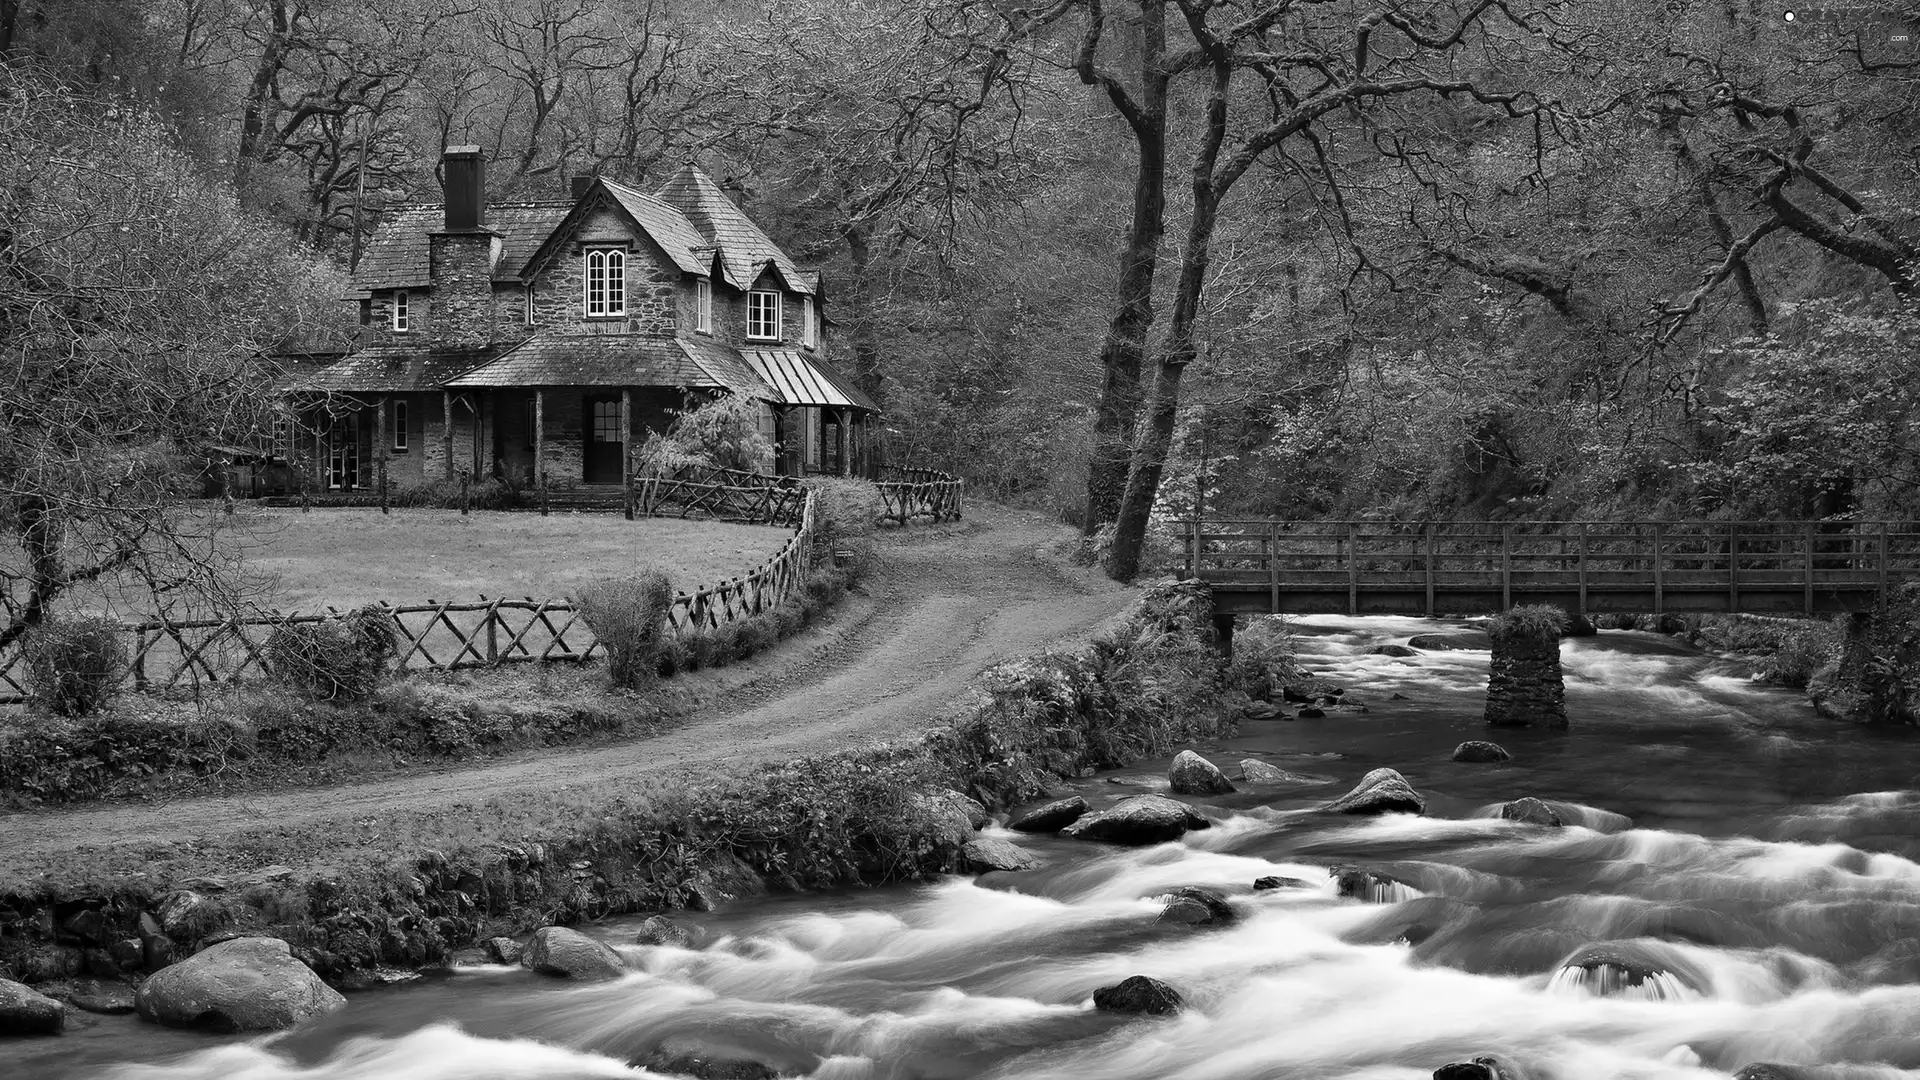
point(398, 255)
point(727, 367)
point(553, 359)
point(800, 379)
point(668, 228)
point(390, 369)
point(744, 249)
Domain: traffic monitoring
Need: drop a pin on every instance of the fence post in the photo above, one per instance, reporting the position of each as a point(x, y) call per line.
point(493, 638)
point(540, 447)
point(466, 492)
point(1506, 566)
point(140, 658)
point(1659, 568)
point(1353, 569)
point(1809, 568)
point(1883, 559)
point(1584, 526)
point(1273, 566)
point(1733, 568)
point(1430, 531)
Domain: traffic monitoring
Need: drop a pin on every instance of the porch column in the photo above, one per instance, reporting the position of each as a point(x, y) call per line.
point(846, 441)
point(446, 431)
point(540, 447)
point(626, 449)
point(380, 448)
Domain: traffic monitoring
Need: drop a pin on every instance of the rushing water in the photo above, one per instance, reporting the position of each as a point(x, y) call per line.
point(1761, 860)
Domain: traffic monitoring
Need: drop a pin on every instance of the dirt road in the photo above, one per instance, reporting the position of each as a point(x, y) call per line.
point(937, 611)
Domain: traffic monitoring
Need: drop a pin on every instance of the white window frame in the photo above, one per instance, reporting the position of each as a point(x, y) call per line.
point(399, 419)
point(402, 314)
point(755, 322)
point(703, 305)
point(806, 321)
point(528, 315)
point(605, 282)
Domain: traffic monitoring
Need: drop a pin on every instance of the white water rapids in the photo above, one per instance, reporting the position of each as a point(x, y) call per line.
point(1736, 885)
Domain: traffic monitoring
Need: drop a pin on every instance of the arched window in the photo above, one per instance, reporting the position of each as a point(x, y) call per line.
point(606, 281)
point(402, 321)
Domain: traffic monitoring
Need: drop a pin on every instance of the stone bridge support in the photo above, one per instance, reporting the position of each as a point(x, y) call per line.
point(1524, 681)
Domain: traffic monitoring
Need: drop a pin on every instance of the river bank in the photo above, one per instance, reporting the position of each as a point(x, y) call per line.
point(424, 884)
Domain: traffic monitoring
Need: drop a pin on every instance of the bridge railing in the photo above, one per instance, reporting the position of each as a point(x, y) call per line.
point(1524, 557)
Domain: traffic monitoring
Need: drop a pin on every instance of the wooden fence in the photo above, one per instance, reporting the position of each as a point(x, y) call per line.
point(174, 656)
point(906, 494)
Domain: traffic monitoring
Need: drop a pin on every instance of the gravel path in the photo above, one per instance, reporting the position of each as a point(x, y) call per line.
point(937, 611)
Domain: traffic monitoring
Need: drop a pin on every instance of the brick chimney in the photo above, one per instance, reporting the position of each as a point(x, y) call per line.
point(465, 172)
point(460, 256)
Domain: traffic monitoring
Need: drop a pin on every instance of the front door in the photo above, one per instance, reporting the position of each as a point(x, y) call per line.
point(343, 452)
point(600, 458)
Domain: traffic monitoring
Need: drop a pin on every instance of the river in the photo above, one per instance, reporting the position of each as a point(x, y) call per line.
point(1761, 858)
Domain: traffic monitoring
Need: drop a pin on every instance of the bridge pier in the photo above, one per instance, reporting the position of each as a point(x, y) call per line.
point(1525, 684)
point(1223, 634)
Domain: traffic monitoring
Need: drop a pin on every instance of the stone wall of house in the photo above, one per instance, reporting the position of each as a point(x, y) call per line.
point(379, 329)
point(653, 282)
point(462, 274)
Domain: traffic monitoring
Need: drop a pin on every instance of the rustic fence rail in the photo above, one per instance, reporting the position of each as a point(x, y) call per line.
point(175, 655)
point(1773, 566)
point(907, 493)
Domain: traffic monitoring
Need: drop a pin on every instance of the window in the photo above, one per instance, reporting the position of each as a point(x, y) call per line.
point(806, 321)
point(529, 301)
point(402, 322)
point(400, 426)
point(763, 314)
point(606, 421)
point(606, 281)
point(702, 304)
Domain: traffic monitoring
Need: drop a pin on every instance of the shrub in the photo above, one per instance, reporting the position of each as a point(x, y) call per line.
point(629, 617)
point(339, 659)
point(724, 432)
point(74, 665)
point(1537, 623)
point(844, 511)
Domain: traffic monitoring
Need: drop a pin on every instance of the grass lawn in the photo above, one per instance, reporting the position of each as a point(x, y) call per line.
point(348, 557)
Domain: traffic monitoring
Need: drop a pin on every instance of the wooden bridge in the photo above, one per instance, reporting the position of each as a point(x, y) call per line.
point(1642, 567)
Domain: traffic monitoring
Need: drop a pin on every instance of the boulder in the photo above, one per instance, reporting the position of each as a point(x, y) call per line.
point(1578, 625)
point(26, 1011)
point(504, 950)
point(1052, 817)
point(1192, 905)
point(1255, 771)
point(1466, 1070)
point(1263, 710)
point(556, 950)
point(1382, 791)
point(186, 915)
point(1138, 994)
point(1452, 641)
point(1138, 819)
point(703, 1067)
point(1480, 751)
point(1392, 650)
point(1191, 774)
point(247, 984)
point(104, 998)
point(660, 930)
point(986, 855)
point(952, 816)
point(1531, 811)
point(1766, 1070)
point(1643, 969)
point(1359, 883)
point(1275, 881)
point(1311, 712)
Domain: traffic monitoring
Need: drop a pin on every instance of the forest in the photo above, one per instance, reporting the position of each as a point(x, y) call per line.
point(1125, 260)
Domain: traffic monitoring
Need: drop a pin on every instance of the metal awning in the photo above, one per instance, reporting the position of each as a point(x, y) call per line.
point(803, 380)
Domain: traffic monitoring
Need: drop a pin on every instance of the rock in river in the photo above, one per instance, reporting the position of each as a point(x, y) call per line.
point(1531, 811)
point(1451, 641)
point(1392, 650)
point(660, 930)
point(1191, 774)
point(556, 950)
point(1480, 751)
point(246, 984)
point(1382, 791)
point(1255, 771)
point(1052, 817)
point(987, 855)
point(1138, 819)
point(1137, 994)
point(1193, 905)
point(25, 1011)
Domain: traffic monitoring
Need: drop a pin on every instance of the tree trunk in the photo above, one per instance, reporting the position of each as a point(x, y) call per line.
point(866, 349)
point(1117, 411)
point(1156, 438)
point(260, 101)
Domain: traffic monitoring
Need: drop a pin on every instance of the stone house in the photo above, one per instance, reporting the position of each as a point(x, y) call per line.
point(561, 333)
